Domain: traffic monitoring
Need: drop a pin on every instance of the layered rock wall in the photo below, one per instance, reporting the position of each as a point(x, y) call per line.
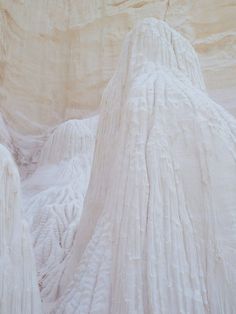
point(57, 56)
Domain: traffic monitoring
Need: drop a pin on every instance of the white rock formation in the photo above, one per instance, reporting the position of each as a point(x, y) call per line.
point(56, 56)
point(158, 231)
point(19, 293)
point(54, 197)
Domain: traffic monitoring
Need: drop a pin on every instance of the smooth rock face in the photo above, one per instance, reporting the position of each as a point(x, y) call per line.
point(57, 56)
point(54, 196)
point(158, 229)
point(19, 293)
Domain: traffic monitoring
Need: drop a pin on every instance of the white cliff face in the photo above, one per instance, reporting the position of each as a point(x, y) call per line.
point(157, 121)
point(19, 293)
point(54, 196)
point(157, 234)
point(57, 56)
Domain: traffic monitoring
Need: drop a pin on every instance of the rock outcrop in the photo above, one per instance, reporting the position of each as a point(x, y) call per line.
point(54, 196)
point(19, 292)
point(158, 229)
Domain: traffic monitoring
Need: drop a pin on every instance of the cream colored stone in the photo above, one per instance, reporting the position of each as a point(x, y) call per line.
point(57, 55)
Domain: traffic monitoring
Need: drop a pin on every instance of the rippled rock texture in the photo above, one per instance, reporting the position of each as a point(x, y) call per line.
point(157, 233)
point(54, 197)
point(56, 56)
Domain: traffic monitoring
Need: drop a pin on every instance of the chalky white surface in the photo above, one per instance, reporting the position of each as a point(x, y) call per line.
point(54, 196)
point(19, 293)
point(158, 230)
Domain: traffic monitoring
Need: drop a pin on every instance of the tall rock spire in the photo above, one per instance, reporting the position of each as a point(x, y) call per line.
point(157, 234)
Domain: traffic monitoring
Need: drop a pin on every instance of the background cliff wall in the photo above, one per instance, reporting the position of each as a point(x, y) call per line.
point(56, 56)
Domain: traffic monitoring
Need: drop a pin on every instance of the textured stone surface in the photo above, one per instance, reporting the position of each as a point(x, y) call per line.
point(158, 229)
point(19, 293)
point(54, 196)
point(57, 56)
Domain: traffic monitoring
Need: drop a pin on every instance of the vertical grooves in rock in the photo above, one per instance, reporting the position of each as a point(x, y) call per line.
point(19, 291)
